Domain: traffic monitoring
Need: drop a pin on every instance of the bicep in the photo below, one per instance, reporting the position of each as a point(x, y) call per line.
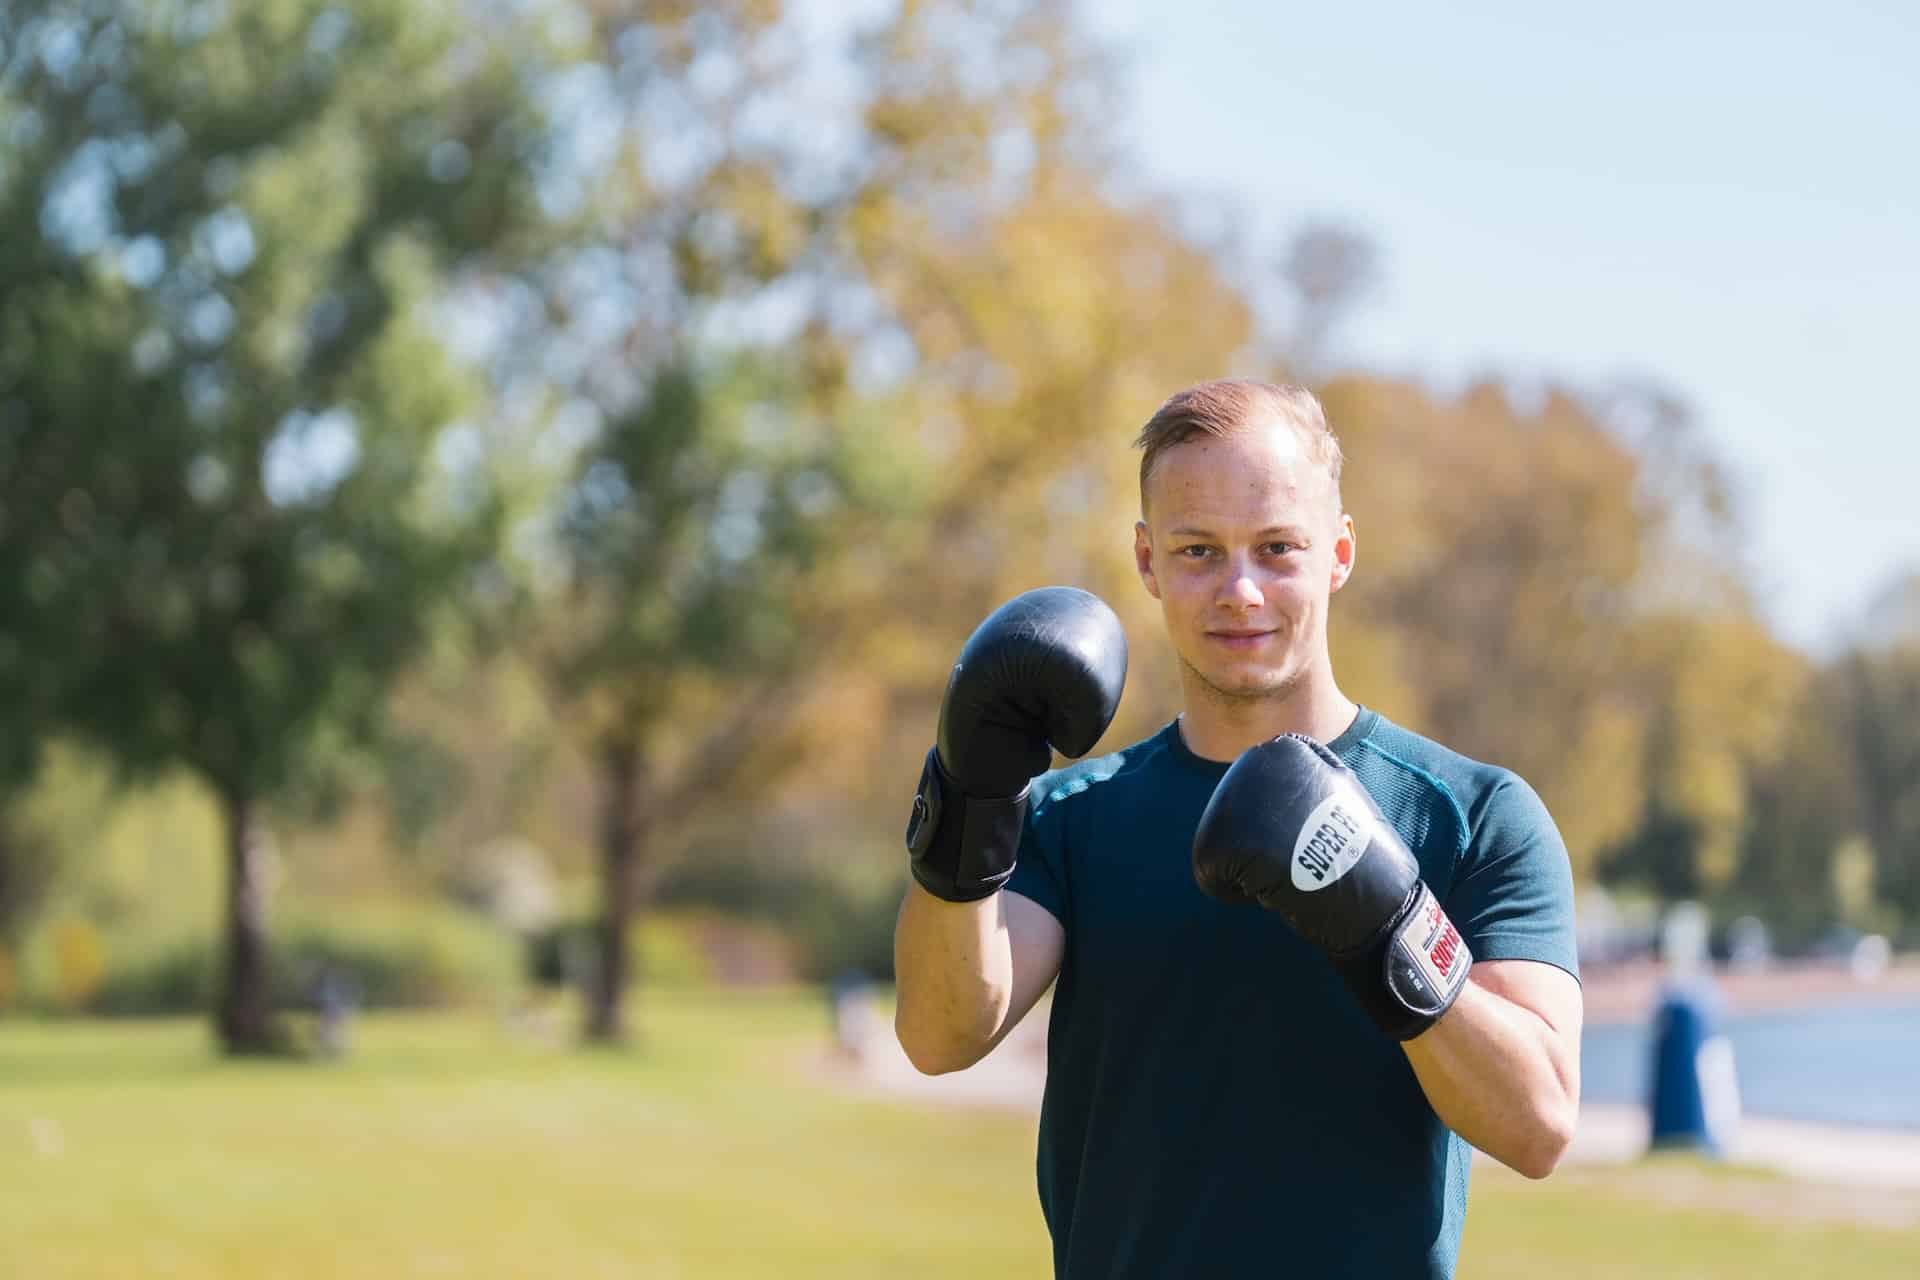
point(1037, 941)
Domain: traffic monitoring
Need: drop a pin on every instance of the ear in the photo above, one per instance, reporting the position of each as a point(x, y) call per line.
point(1344, 547)
point(1143, 558)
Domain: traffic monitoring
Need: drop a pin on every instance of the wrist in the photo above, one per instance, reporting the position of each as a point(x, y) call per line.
point(962, 848)
point(1409, 977)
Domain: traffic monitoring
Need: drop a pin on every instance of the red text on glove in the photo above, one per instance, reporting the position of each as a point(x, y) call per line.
point(1445, 949)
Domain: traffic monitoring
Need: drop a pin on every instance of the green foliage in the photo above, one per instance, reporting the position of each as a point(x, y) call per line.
point(28, 868)
point(1803, 808)
point(670, 953)
point(675, 947)
point(1878, 695)
point(690, 530)
point(145, 855)
point(223, 384)
point(838, 916)
point(389, 958)
point(1834, 835)
point(147, 976)
point(710, 545)
point(79, 964)
point(228, 385)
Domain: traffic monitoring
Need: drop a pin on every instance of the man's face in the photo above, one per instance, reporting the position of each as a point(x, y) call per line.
point(1243, 543)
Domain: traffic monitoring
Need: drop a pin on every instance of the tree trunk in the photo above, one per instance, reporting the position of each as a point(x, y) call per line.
point(622, 822)
point(245, 1016)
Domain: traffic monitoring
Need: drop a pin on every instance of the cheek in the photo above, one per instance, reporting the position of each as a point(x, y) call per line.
point(1308, 594)
point(1293, 594)
point(1182, 591)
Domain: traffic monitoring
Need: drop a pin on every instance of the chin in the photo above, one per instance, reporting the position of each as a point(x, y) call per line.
point(1241, 683)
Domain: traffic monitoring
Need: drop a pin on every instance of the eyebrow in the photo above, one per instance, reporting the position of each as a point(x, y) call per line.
point(1189, 531)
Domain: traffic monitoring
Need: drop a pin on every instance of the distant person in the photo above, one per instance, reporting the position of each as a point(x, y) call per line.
point(335, 997)
point(850, 1010)
point(1234, 1091)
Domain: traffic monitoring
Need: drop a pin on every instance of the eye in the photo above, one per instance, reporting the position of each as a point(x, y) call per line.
point(1197, 551)
point(1280, 548)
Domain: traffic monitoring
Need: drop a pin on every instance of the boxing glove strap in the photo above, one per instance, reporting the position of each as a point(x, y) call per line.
point(1408, 980)
point(961, 847)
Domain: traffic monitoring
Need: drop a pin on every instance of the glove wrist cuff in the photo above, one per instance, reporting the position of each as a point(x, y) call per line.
point(1410, 978)
point(962, 848)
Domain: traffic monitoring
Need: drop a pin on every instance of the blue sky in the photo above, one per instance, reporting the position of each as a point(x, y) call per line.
point(1725, 197)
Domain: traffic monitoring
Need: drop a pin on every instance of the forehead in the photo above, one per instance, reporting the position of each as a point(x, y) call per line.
point(1262, 475)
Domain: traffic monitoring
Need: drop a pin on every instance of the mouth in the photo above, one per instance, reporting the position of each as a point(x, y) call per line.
point(1239, 639)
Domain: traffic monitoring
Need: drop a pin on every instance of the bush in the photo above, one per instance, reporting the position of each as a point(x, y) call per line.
point(79, 963)
point(668, 949)
point(415, 959)
point(838, 915)
point(850, 930)
point(389, 959)
point(157, 975)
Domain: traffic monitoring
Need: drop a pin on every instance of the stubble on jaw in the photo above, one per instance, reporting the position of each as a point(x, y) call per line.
point(1241, 699)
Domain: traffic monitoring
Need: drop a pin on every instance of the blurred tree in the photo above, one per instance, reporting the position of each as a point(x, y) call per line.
point(1893, 614)
point(224, 393)
point(1717, 697)
point(1844, 790)
point(33, 656)
point(1499, 548)
point(1714, 693)
point(1803, 807)
point(1552, 586)
point(1043, 344)
point(923, 302)
point(1879, 705)
point(690, 617)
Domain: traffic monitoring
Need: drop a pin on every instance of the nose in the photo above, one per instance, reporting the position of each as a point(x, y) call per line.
point(1242, 592)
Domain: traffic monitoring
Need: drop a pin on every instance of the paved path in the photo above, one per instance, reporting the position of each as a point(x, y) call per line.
point(1013, 1075)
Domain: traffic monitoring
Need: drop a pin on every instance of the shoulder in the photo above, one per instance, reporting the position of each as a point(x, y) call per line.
point(1473, 794)
point(1510, 884)
point(1088, 781)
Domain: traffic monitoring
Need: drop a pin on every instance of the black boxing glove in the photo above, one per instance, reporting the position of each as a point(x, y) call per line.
point(1291, 828)
point(1043, 671)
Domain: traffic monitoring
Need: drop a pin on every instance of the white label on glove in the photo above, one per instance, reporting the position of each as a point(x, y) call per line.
point(1335, 835)
point(1437, 956)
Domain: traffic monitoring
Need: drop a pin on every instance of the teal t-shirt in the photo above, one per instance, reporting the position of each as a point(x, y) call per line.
point(1217, 1105)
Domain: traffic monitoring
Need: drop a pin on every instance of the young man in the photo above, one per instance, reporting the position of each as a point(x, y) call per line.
point(1275, 1030)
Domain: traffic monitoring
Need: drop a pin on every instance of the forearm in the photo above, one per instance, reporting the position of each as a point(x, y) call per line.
point(1502, 1077)
point(953, 970)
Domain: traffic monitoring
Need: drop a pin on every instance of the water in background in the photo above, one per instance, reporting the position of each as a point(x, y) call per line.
point(1846, 1064)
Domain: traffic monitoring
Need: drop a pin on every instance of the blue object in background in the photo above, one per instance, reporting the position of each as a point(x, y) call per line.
point(1695, 1100)
point(1839, 1062)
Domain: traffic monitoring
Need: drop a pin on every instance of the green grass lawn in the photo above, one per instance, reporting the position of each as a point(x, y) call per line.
point(448, 1146)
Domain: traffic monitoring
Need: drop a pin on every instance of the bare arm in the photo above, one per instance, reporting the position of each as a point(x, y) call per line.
point(1502, 1068)
point(967, 972)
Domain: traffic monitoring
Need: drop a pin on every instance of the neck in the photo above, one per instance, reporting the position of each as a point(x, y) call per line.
point(1217, 728)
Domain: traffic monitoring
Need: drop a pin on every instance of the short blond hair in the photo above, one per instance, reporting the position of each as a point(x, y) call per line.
point(1226, 405)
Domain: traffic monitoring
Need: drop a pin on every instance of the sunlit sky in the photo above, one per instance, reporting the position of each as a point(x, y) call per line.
point(1724, 197)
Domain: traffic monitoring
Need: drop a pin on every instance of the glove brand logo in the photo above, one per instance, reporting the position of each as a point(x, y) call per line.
point(1331, 841)
point(1444, 950)
point(1435, 953)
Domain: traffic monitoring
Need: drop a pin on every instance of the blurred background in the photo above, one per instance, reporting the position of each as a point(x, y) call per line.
point(490, 491)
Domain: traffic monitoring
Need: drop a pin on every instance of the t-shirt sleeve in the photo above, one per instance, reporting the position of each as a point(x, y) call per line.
point(1513, 896)
point(1040, 871)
